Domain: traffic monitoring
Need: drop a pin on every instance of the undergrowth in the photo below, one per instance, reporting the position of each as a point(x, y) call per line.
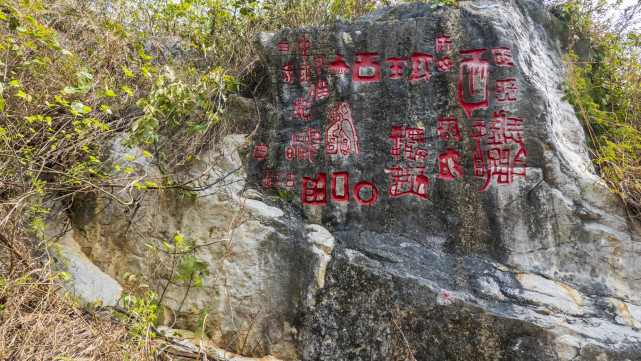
point(78, 78)
point(605, 88)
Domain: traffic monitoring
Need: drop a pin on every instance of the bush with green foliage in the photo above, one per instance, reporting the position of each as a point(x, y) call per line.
point(606, 88)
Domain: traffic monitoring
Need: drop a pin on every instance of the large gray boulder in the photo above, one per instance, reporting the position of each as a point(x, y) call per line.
point(385, 214)
point(469, 223)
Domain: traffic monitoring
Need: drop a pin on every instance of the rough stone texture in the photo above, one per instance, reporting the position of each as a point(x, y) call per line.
point(544, 268)
point(261, 263)
point(165, 47)
point(89, 282)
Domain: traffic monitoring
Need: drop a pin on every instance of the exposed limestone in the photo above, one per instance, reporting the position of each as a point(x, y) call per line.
point(541, 267)
point(551, 253)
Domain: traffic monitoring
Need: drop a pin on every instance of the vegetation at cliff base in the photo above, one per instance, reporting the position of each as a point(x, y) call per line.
point(80, 77)
point(604, 85)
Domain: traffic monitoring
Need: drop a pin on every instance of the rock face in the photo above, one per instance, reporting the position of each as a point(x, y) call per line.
point(259, 264)
point(424, 193)
point(468, 221)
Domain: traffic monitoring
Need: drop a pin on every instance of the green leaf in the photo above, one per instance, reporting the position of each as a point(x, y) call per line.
point(79, 108)
point(110, 93)
point(127, 71)
point(1, 104)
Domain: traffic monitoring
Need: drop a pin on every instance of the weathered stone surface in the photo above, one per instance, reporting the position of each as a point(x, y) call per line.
point(261, 263)
point(89, 282)
point(541, 267)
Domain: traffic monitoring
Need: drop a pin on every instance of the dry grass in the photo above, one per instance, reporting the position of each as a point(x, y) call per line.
point(39, 322)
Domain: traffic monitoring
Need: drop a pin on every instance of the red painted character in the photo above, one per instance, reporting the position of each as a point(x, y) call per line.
point(503, 132)
point(403, 182)
point(359, 198)
point(477, 74)
point(304, 145)
point(338, 66)
point(318, 63)
point(442, 44)
point(396, 67)
point(302, 109)
point(502, 56)
point(445, 64)
point(288, 71)
point(303, 46)
point(283, 47)
point(289, 183)
point(315, 190)
point(267, 181)
point(322, 91)
point(408, 140)
point(305, 73)
point(341, 133)
point(343, 195)
point(366, 69)
point(506, 90)
point(260, 151)
point(449, 163)
point(448, 128)
point(419, 59)
point(479, 130)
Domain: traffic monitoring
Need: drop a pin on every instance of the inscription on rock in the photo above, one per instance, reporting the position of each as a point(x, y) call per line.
point(370, 119)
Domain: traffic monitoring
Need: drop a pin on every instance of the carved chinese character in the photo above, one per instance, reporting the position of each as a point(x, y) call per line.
point(288, 71)
point(445, 64)
point(477, 78)
point(340, 193)
point(303, 46)
point(498, 165)
point(418, 60)
point(318, 63)
point(304, 145)
point(442, 44)
point(267, 181)
point(357, 193)
point(305, 73)
point(447, 128)
point(479, 130)
point(283, 47)
point(407, 141)
point(366, 69)
point(449, 163)
point(504, 160)
point(506, 90)
point(512, 130)
point(341, 132)
point(260, 151)
point(289, 183)
point(338, 66)
point(403, 182)
point(502, 56)
point(322, 91)
point(315, 190)
point(396, 67)
point(302, 109)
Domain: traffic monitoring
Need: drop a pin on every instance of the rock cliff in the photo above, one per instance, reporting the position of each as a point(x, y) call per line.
point(417, 189)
